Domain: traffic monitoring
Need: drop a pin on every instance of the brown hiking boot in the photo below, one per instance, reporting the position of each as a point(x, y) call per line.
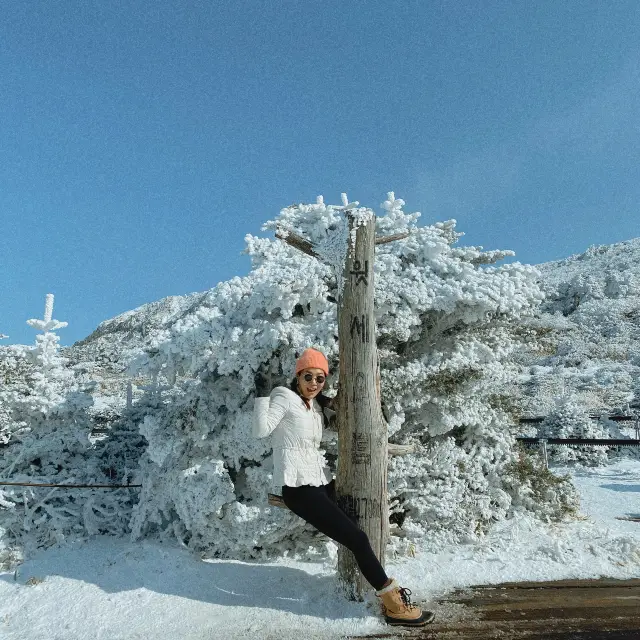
point(398, 610)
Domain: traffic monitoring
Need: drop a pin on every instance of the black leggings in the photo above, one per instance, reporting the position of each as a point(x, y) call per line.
point(319, 507)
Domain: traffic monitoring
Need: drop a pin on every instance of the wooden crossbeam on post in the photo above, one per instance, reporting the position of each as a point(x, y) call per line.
point(395, 236)
point(297, 242)
point(302, 244)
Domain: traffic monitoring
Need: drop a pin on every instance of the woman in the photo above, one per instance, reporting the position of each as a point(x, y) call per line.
point(294, 415)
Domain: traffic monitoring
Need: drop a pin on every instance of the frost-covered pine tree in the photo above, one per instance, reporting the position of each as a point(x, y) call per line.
point(570, 419)
point(446, 325)
point(47, 441)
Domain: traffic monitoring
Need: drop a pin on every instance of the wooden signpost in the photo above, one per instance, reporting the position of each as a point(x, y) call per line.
point(363, 449)
point(361, 481)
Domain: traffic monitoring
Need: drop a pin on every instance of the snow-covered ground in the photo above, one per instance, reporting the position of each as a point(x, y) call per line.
point(110, 588)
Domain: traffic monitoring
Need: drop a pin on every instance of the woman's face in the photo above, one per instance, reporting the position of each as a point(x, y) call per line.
point(311, 388)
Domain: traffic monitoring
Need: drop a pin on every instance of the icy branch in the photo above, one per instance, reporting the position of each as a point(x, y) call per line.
point(298, 242)
point(346, 205)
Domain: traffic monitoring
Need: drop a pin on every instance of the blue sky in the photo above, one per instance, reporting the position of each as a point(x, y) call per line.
point(141, 141)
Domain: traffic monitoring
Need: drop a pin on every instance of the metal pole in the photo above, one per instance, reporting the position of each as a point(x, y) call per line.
point(543, 450)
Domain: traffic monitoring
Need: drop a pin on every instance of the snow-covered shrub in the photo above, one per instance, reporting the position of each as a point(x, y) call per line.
point(446, 328)
point(469, 490)
point(14, 369)
point(570, 419)
point(615, 431)
point(539, 490)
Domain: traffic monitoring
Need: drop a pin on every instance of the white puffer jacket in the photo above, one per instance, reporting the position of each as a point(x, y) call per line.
point(297, 433)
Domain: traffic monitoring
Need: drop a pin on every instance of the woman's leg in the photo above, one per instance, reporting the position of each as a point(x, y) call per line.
point(331, 492)
point(315, 505)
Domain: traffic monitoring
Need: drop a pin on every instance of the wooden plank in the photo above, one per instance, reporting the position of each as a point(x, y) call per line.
point(561, 584)
point(604, 609)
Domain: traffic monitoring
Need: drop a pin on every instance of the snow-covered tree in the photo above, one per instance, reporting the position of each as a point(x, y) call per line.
point(8, 363)
point(47, 441)
point(446, 328)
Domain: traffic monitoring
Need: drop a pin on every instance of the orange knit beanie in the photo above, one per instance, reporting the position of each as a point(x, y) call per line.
point(312, 359)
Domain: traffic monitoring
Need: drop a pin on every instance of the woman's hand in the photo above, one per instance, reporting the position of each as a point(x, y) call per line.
point(263, 381)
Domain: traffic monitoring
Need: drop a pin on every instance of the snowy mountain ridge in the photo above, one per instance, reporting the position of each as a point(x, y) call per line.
point(593, 304)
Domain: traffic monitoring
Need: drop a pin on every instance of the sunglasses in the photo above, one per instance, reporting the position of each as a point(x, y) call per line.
point(308, 377)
